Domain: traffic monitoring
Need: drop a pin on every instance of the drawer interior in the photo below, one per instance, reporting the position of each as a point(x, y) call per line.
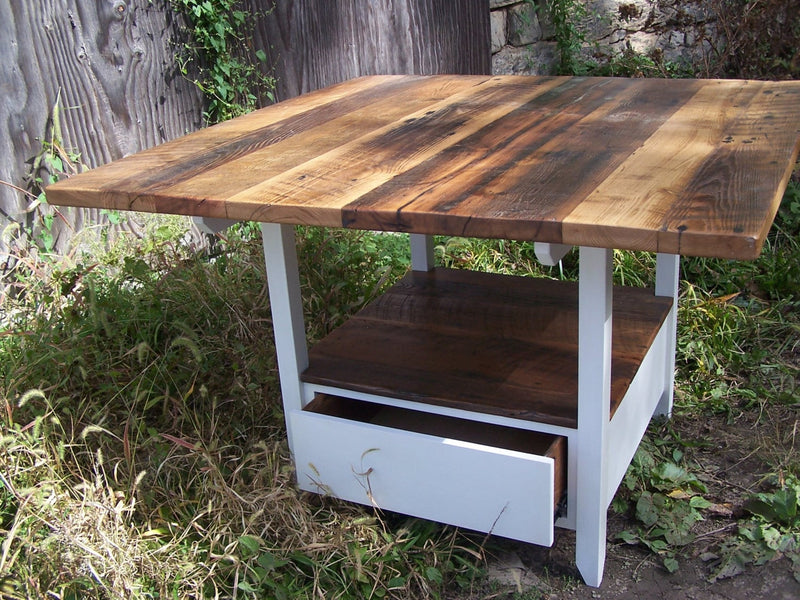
point(496, 436)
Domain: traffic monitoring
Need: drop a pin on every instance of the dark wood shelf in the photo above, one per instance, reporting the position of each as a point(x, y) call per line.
point(484, 343)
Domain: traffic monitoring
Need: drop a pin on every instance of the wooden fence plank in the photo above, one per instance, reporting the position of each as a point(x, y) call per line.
point(316, 43)
point(112, 64)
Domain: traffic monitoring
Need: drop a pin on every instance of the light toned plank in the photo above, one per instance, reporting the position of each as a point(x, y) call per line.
point(681, 166)
point(653, 200)
point(318, 190)
point(520, 176)
point(123, 183)
point(329, 129)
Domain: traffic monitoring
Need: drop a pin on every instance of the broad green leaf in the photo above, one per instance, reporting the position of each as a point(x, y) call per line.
point(699, 502)
point(250, 545)
point(670, 563)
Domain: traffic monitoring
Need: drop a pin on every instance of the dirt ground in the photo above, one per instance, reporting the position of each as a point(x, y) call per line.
point(630, 573)
point(744, 450)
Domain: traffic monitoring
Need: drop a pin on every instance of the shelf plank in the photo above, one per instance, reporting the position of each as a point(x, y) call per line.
point(482, 342)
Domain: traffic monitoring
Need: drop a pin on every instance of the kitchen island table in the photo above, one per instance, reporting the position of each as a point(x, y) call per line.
point(503, 404)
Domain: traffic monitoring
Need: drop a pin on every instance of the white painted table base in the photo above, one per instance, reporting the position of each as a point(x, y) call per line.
point(599, 450)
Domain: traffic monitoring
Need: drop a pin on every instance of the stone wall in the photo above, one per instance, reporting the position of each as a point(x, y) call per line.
point(523, 38)
point(681, 32)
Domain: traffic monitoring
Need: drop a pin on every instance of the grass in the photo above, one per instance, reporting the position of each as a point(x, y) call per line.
point(142, 449)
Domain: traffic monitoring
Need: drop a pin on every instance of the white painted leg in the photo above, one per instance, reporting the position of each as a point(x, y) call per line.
point(667, 275)
point(283, 279)
point(594, 399)
point(422, 256)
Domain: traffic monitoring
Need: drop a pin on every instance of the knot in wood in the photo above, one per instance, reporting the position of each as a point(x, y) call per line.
point(120, 8)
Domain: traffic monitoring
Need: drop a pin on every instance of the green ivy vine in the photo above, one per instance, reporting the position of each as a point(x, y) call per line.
point(566, 16)
point(232, 75)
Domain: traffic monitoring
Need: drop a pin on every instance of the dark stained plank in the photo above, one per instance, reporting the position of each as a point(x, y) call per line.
point(485, 343)
point(508, 307)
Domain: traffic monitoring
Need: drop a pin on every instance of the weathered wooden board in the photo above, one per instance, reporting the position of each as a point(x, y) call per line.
point(485, 343)
point(112, 64)
point(316, 43)
point(692, 167)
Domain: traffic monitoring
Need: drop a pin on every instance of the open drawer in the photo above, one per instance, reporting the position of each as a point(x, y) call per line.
point(479, 476)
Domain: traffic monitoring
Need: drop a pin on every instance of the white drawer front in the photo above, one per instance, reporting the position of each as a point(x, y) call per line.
point(505, 492)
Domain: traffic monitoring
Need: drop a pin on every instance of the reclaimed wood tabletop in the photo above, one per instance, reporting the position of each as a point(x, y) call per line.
point(692, 167)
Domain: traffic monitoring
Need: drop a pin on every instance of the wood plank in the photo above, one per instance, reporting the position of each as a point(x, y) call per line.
point(473, 373)
point(318, 190)
point(113, 68)
point(324, 134)
point(477, 342)
point(317, 43)
point(696, 185)
point(688, 166)
point(169, 164)
point(742, 178)
point(509, 307)
point(520, 176)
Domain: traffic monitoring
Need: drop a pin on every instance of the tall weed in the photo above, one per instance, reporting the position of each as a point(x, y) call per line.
point(155, 436)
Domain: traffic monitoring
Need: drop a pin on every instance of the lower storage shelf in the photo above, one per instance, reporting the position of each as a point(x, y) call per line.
point(483, 343)
point(488, 478)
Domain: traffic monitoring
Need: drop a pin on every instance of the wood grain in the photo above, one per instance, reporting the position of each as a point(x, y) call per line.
point(700, 173)
point(111, 64)
point(484, 343)
point(694, 167)
point(533, 166)
point(316, 43)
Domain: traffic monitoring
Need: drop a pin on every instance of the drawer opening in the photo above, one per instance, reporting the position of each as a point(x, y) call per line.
point(486, 434)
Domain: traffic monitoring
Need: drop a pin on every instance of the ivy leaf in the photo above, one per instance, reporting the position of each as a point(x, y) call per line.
point(699, 502)
point(433, 575)
point(670, 564)
point(760, 508)
point(249, 545)
point(628, 537)
point(647, 508)
point(670, 472)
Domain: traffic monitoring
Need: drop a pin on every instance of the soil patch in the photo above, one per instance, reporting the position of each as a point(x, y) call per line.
point(733, 456)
